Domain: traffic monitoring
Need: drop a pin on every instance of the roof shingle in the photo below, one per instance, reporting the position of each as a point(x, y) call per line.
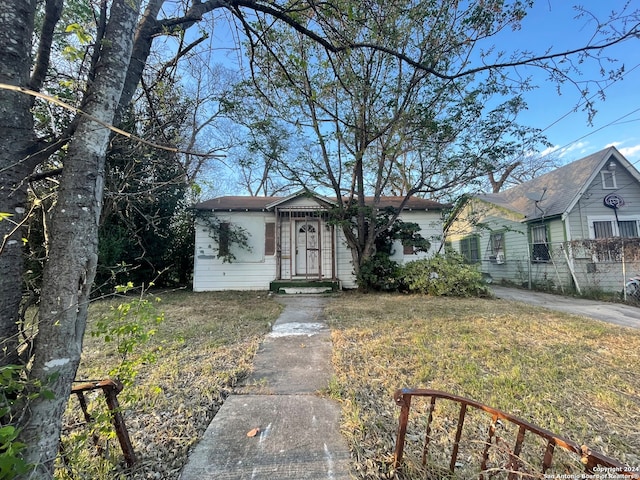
point(246, 203)
point(558, 188)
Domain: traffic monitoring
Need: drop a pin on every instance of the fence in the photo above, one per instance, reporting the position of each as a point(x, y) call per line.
point(452, 437)
point(585, 266)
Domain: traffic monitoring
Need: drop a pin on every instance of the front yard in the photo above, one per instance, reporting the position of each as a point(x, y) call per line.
point(204, 346)
point(576, 377)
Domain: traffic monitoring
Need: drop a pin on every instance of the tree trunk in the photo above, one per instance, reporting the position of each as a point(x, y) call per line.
point(16, 142)
point(71, 266)
point(140, 53)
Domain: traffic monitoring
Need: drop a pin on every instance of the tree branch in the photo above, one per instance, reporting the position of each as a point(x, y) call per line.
point(52, 13)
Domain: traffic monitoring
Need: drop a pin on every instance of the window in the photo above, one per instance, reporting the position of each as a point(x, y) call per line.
point(496, 243)
point(496, 247)
point(270, 238)
point(607, 227)
point(628, 229)
point(603, 229)
point(539, 244)
point(223, 240)
point(608, 179)
point(407, 249)
point(469, 247)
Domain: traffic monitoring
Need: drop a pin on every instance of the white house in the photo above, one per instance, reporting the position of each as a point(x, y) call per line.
point(576, 227)
point(289, 239)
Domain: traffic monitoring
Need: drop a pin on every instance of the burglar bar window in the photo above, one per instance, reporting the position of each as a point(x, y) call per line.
point(539, 244)
point(628, 229)
point(603, 229)
point(495, 241)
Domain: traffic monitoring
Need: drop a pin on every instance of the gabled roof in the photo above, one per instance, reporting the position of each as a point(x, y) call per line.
point(253, 204)
point(558, 190)
point(281, 200)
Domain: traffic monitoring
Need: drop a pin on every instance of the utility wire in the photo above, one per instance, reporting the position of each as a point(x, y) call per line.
point(613, 122)
point(589, 99)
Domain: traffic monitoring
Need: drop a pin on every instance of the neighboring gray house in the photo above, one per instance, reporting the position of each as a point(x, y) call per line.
point(290, 239)
point(576, 227)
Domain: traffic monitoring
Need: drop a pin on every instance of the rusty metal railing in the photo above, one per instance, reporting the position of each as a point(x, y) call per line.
point(111, 389)
point(594, 463)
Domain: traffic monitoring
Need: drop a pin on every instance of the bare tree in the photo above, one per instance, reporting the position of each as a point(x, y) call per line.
point(522, 168)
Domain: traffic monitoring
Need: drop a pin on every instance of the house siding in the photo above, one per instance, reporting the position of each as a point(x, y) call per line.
point(251, 270)
point(430, 228)
point(591, 203)
point(344, 262)
point(569, 209)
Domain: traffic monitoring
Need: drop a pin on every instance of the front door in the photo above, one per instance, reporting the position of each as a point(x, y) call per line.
point(307, 248)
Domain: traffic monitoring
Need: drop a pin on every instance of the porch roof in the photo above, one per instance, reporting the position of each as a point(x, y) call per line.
point(258, 204)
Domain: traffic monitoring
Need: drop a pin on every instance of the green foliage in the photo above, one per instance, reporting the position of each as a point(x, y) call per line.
point(379, 273)
point(407, 232)
point(146, 193)
point(446, 275)
point(13, 389)
point(11, 462)
point(225, 235)
point(128, 327)
point(79, 446)
point(125, 329)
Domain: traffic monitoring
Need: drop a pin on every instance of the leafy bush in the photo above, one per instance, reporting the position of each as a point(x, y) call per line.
point(128, 327)
point(379, 273)
point(126, 330)
point(14, 389)
point(446, 275)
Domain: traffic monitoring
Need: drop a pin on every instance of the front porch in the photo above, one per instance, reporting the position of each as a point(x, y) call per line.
point(305, 244)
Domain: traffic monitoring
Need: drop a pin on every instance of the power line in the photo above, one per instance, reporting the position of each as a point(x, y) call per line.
point(573, 110)
point(613, 122)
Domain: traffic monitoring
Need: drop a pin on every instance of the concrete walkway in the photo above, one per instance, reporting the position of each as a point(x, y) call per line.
point(618, 313)
point(297, 431)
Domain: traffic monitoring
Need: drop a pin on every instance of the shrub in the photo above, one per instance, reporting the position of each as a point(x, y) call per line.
point(444, 275)
point(15, 394)
point(379, 273)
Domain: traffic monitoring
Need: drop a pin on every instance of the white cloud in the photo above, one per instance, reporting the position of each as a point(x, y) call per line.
point(630, 152)
point(548, 150)
point(561, 152)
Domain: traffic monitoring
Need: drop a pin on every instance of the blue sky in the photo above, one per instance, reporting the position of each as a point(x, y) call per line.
point(552, 23)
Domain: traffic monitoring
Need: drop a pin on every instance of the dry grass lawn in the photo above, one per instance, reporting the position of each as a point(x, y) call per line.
point(577, 377)
point(204, 346)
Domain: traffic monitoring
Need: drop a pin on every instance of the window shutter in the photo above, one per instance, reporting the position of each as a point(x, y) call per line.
point(270, 238)
point(628, 229)
point(223, 241)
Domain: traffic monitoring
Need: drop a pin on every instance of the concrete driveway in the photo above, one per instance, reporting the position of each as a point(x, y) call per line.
point(617, 313)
